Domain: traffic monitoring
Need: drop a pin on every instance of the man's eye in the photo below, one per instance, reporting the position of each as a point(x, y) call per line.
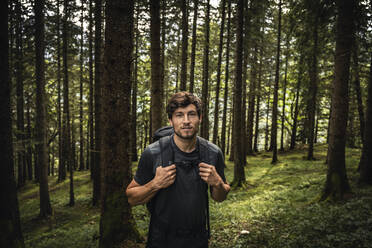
point(192, 114)
point(179, 115)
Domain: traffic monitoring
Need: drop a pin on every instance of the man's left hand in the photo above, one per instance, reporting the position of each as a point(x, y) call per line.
point(209, 174)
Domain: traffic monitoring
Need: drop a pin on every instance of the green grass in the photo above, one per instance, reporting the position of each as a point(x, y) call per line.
point(278, 208)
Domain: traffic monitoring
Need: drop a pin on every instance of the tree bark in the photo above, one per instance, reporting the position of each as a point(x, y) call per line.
point(20, 99)
point(239, 174)
point(96, 171)
point(251, 101)
point(226, 90)
point(81, 130)
point(61, 164)
point(116, 223)
point(313, 88)
point(358, 90)
point(337, 184)
point(296, 110)
point(365, 163)
point(274, 125)
point(218, 80)
point(156, 75)
point(284, 97)
point(90, 153)
point(193, 46)
point(10, 224)
point(258, 99)
point(205, 92)
point(66, 128)
point(267, 148)
point(133, 140)
point(40, 125)
point(185, 41)
point(28, 138)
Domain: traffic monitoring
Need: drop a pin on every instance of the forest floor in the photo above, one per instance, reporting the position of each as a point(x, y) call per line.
point(278, 208)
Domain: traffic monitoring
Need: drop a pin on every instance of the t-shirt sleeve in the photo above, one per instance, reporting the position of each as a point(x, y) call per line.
point(220, 166)
point(144, 173)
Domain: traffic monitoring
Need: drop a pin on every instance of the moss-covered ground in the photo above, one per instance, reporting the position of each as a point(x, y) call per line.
point(277, 208)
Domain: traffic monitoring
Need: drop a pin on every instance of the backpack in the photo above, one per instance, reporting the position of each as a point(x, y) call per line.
point(163, 135)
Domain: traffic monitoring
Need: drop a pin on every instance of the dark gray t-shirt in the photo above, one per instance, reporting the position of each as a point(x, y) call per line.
point(182, 205)
point(145, 172)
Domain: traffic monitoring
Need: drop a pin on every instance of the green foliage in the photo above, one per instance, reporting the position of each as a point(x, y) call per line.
point(281, 208)
point(76, 226)
point(278, 208)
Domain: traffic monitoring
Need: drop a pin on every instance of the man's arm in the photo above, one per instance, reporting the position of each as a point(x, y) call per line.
point(220, 189)
point(140, 194)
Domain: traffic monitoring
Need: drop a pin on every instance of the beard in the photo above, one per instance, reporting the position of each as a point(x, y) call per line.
point(187, 137)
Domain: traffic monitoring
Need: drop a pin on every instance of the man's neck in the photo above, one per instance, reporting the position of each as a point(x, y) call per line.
point(185, 145)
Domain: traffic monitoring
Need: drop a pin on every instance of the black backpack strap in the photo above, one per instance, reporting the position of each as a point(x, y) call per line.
point(204, 154)
point(164, 158)
point(166, 151)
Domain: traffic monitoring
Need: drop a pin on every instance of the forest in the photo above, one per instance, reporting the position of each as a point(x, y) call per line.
point(286, 90)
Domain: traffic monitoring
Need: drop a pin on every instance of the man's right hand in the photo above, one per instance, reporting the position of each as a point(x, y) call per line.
point(165, 176)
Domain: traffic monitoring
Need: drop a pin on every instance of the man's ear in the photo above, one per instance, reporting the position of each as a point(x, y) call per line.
point(201, 118)
point(170, 122)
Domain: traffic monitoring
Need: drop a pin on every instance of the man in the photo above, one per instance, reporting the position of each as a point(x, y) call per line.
point(173, 177)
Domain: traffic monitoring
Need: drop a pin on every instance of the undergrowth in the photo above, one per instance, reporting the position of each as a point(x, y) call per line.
point(277, 208)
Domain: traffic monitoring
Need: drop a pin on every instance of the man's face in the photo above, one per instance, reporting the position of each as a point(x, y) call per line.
point(185, 122)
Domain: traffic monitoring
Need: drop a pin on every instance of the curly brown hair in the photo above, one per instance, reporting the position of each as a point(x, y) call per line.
point(183, 99)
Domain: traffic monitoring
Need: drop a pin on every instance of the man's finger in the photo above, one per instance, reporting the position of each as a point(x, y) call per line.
point(204, 174)
point(171, 167)
point(202, 169)
point(204, 165)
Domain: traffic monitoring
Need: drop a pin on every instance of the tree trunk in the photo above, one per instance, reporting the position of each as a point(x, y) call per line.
point(239, 175)
point(177, 62)
point(274, 124)
point(313, 88)
point(337, 183)
point(10, 224)
point(66, 128)
point(73, 154)
point(90, 153)
point(246, 50)
point(365, 163)
point(231, 132)
point(350, 132)
point(117, 222)
point(251, 101)
point(156, 75)
point(258, 97)
point(267, 148)
point(205, 110)
point(284, 97)
point(29, 136)
point(96, 171)
point(40, 125)
point(185, 41)
point(163, 59)
point(226, 90)
point(193, 46)
point(20, 99)
point(133, 140)
point(61, 164)
point(81, 134)
point(220, 47)
point(296, 110)
point(358, 90)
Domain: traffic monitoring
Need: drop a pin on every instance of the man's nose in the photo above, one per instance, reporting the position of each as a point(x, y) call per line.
point(186, 119)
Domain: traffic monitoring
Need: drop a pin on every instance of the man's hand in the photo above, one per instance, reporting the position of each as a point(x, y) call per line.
point(164, 176)
point(209, 174)
point(219, 188)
